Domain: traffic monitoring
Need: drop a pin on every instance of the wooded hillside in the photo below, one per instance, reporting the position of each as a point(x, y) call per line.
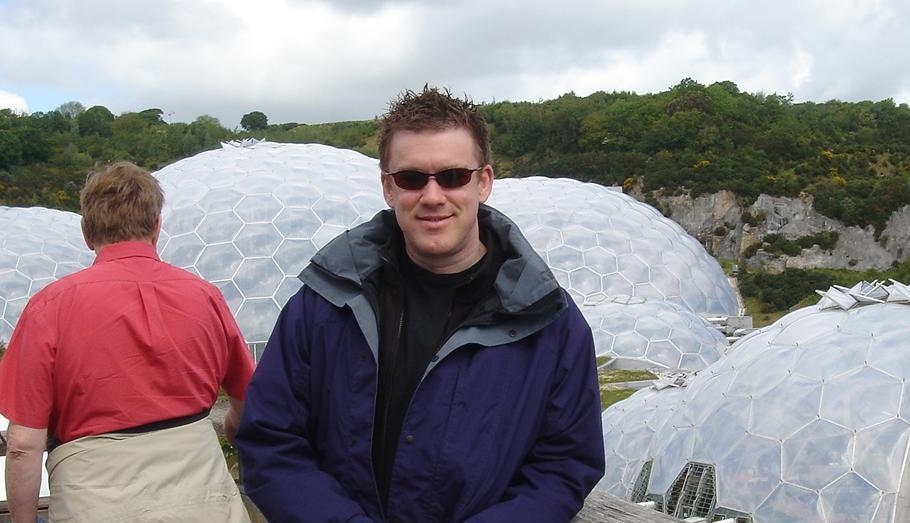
point(854, 158)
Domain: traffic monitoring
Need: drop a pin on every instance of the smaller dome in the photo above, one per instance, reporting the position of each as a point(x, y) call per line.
point(805, 420)
point(640, 334)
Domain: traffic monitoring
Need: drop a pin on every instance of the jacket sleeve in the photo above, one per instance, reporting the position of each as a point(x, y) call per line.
point(280, 465)
point(567, 459)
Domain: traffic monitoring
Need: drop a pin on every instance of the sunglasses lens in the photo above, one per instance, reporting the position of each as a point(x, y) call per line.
point(452, 178)
point(448, 179)
point(411, 180)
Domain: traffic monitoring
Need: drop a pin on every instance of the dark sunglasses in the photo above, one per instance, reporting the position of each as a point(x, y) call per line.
point(411, 180)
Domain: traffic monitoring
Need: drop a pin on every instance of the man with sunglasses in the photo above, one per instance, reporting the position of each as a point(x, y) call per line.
point(430, 369)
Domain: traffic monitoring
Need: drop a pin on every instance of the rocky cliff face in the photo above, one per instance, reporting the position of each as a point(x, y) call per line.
point(717, 220)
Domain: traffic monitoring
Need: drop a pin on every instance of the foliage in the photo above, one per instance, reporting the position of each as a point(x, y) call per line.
point(853, 159)
point(753, 219)
point(2, 349)
point(610, 395)
point(778, 244)
point(254, 121)
point(780, 292)
point(784, 290)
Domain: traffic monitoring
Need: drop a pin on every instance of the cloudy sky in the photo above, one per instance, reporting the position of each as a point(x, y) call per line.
point(315, 61)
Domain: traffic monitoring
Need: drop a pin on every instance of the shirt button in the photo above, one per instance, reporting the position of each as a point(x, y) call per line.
point(435, 359)
point(409, 438)
point(512, 333)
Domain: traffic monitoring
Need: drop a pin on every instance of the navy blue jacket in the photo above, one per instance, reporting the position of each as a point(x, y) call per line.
point(505, 425)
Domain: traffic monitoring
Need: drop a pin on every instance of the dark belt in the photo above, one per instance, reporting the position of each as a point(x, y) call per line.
point(53, 442)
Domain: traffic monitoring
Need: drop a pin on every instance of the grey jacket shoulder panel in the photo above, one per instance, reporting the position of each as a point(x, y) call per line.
point(337, 273)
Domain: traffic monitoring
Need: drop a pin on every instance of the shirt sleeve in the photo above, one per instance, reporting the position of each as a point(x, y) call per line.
point(239, 362)
point(27, 369)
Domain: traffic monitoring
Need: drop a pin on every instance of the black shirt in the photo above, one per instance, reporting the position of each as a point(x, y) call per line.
point(434, 305)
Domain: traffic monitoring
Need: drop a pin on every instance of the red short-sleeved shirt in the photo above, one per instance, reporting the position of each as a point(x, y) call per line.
point(128, 341)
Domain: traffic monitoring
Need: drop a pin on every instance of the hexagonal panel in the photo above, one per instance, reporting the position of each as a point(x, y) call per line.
point(790, 503)
point(183, 251)
point(219, 262)
point(293, 255)
point(755, 458)
point(256, 318)
point(14, 285)
point(880, 452)
point(219, 227)
point(782, 410)
point(183, 220)
point(258, 208)
point(849, 499)
point(298, 223)
point(817, 454)
point(257, 239)
point(258, 277)
point(861, 398)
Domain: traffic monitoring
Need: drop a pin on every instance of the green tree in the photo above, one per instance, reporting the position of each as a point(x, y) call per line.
point(95, 120)
point(70, 109)
point(254, 121)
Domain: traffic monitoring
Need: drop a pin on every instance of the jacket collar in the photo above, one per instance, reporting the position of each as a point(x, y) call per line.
point(127, 249)
point(350, 258)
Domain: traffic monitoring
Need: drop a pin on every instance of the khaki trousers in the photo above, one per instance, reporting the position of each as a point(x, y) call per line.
point(170, 475)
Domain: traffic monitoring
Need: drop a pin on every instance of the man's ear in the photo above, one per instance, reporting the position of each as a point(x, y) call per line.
point(388, 188)
point(485, 182)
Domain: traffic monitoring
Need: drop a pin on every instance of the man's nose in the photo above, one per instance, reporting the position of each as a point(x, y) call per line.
point(433, 192)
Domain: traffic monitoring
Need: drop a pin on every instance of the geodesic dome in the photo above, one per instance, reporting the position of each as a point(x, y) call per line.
point(629, 426)
point(635, 333)
point(805, 420)
point(599, 241)
point(248, 217)
point(37, 246)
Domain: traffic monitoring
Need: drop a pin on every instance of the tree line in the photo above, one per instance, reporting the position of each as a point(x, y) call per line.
point(852, 158)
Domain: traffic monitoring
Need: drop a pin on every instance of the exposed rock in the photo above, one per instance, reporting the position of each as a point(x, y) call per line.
point(716, 220)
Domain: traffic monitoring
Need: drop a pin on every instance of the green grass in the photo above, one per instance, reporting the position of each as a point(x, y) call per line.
point(609, 396)
point(727, 265)
point(620, 376)
point(611, 393)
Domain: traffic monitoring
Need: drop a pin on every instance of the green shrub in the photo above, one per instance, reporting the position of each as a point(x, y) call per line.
point(753, 219)
point(784, 290)
point(826, 240)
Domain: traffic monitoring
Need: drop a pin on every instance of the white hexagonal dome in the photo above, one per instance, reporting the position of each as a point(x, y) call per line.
point(230, 210)
point(635, 333)
point(599, 241)
point(37, 246)
point(248, 217)
point(805, 420)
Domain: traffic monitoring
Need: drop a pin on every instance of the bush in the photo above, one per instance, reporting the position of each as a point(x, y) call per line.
point(751, 250)
point(777, 244)
point(826, 240)
point(753, 219)
point(782, 291)
point(720, 230)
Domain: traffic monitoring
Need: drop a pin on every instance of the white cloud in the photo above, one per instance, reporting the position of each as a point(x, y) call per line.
point(312, 60)
point(13, 101)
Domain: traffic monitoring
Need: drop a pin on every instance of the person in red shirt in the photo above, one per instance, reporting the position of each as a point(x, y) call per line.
point(117, 367)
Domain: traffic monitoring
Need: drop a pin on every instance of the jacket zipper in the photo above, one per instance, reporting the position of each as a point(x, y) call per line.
point(385, 418)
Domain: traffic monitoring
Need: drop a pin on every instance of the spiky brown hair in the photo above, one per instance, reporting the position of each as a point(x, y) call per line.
point(432, 109)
